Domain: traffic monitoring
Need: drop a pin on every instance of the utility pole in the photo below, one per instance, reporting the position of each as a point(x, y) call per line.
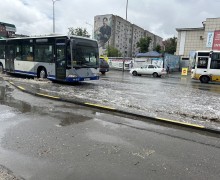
point(54, 15)
point(127, 10)
point(125, 36)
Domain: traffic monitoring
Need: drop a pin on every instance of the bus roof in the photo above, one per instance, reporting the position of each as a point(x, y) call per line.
point(50, 36)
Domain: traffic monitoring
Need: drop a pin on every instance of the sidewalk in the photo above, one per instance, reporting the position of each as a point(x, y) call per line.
point(178, 75)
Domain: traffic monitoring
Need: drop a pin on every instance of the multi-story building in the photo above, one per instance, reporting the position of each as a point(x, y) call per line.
point(112, 30)
point(206, 37)
point(7, 30)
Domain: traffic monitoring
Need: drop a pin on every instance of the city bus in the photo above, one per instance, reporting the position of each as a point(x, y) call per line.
point(55, 57)
point(206, 66)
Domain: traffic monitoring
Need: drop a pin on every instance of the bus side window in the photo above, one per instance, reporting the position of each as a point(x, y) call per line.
point(68, 56)
point(202, 62)
point(30, 56)
point(215, 61)
point(2, 52)
point(61, 55)
point(27, 54)
point(18, 53)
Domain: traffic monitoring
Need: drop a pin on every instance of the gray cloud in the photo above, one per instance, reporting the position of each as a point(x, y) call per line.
point(34, 17)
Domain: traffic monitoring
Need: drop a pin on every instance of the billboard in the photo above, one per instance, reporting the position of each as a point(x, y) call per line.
point(209, 41)
point(103, 31)
point(216, 41)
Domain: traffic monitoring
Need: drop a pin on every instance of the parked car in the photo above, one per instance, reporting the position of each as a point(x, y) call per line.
point(103, 66)
point(149, 69)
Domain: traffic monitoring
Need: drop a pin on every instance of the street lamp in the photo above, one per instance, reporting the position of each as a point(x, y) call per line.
point(54, 15)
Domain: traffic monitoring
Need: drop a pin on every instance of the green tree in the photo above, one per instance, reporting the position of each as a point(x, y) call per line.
point(170, 45)
point(78, 32)
point(158, 48)
point(144, 43)
point(113, 52)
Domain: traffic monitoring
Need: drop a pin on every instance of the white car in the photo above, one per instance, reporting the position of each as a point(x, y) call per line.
point(149, 69)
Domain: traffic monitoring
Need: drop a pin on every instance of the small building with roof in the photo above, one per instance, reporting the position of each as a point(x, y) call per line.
point(194, 39)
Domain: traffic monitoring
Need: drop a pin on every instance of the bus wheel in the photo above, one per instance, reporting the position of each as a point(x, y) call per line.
point(42, 73)
point(204, 79)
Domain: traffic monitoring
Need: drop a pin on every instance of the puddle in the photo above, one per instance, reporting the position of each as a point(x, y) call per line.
point(69, 118)
point(7, 99)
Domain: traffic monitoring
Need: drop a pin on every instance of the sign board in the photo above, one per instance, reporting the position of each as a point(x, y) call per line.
point(184, 71)
point(209, 41)
point(216, 41)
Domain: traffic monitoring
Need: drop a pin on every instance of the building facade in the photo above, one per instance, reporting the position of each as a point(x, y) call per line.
point(206, 37)
point(112, 30)
point(7, 30)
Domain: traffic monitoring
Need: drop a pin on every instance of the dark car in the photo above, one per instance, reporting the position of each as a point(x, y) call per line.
point(103, 66)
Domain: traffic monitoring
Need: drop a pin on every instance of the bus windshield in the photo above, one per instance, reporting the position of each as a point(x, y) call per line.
point(83, 56)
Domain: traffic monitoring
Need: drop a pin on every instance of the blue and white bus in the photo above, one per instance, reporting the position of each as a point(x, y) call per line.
point(58, 58)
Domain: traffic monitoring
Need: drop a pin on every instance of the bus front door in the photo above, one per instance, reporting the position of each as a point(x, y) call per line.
point(60, 62)
point(9, 58)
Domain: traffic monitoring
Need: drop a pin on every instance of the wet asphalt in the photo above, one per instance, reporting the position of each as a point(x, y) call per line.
point(174, 97)
point(46, 139)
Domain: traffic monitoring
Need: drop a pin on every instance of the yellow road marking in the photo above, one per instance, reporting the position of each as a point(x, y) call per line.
point(20, 87)
point(55, 97)
point(97, 105)
point(11, 82)
point(189, 124)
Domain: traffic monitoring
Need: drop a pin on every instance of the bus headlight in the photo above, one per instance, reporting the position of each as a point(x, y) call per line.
point(72, 76)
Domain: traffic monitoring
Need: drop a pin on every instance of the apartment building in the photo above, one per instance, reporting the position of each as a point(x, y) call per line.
point(121, 34)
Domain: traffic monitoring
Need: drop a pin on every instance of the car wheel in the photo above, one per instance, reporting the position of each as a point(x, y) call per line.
point(204, 79)
point(134, 73)
point(155, 74)
point(103, 72)
point(42, 73)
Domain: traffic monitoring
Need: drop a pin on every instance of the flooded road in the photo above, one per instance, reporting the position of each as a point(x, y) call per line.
point(174, 97)
point(46, 139)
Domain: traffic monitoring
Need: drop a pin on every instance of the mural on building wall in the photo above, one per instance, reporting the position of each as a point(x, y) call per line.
point(103, 31)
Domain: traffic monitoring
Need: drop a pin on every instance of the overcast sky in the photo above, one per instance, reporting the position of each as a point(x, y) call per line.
point(162, 17)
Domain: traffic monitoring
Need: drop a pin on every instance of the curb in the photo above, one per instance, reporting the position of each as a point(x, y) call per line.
point(111, 109)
